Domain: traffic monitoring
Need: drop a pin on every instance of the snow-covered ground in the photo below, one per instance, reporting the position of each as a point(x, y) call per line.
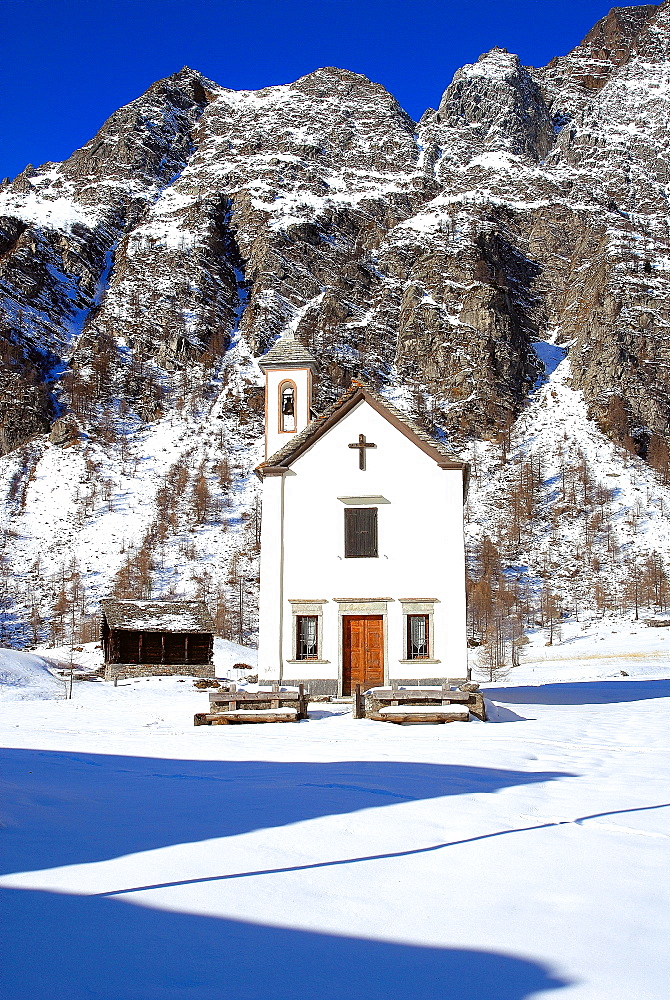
point(335, 858)
point(26, 677)
point(594, 649)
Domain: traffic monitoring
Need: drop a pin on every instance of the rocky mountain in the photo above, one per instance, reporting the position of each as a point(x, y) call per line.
point(140, 278)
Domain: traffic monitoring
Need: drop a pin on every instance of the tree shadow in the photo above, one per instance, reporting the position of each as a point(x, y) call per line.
point(71, 808)
point(87, 948)
point(583, 692)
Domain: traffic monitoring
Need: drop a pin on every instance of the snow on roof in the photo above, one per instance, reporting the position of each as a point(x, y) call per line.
point(287, 352)
point(425, 710)
point(157, 616)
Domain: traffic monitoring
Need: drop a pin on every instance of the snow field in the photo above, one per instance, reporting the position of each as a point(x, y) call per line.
point(520, 859)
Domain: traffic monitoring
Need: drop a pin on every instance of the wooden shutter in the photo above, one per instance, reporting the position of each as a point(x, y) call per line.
point(360, 532)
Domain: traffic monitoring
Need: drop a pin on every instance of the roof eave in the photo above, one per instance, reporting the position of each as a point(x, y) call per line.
point(322, 425)
point(288, 363)
point(264, 471)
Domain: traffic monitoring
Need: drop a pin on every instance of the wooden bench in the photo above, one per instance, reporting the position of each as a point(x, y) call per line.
point(229, 707)
point(420, 704)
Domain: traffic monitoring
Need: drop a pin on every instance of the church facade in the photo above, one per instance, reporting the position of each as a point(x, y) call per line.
point(362, 554)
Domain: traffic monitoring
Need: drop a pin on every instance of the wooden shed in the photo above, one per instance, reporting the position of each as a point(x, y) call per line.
point(140, 638)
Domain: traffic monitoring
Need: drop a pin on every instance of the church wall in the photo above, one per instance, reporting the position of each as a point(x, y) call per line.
point(420, 548)
point(271, 605)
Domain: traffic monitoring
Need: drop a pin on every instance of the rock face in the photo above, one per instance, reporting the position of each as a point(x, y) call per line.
point(531, 202)
point(618, 151)
point(571, 81)
point(139, 277)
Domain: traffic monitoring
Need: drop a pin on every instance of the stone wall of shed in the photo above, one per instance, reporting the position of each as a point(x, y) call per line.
point(122, 670)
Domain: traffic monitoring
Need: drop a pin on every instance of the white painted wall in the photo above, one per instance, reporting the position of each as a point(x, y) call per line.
point(271, 603)
point(275, 438)
point(421, 552)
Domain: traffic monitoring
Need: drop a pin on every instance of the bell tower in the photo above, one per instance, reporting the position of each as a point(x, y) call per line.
point(288, 368)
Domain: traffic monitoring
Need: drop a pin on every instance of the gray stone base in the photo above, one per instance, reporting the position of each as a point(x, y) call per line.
point(121, 670)
point(425, 681)
point(320, 686)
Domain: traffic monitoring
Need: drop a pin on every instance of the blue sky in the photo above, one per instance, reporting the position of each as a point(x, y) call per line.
point(66, 65)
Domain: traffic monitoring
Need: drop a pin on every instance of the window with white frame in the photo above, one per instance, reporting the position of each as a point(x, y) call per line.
point(307, 630)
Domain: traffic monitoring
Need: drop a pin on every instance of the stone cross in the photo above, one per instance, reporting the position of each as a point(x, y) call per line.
point(362, 444)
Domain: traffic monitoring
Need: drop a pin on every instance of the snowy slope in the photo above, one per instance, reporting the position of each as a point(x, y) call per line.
point(26, 677)
point(555, 435)
point(88, 508)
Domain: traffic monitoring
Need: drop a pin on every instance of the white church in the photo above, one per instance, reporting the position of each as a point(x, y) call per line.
point(362, 554)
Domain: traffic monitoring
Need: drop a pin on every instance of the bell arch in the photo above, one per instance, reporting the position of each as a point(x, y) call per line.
point(288, 402)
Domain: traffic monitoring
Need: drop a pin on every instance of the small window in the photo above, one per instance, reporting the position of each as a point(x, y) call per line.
point(360, 532)
point(287, 407)
point(417, 637)
point(307, 635)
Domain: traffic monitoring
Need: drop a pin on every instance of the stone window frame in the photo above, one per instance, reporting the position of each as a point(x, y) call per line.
point(418, 606)
point(300, 607)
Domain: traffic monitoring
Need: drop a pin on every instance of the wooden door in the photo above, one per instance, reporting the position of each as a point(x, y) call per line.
point(362, 652)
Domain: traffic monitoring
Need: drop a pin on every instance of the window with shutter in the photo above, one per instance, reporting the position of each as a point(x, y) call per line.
point(360, 532)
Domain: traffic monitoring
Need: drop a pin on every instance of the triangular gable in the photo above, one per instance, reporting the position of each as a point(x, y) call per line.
point(278, 463)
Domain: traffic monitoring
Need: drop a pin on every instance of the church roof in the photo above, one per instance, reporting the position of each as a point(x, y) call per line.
point(287, 352)
point(157, 616)
point(356, 393)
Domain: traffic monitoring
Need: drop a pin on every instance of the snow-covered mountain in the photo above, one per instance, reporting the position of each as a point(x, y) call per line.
point(522, 222)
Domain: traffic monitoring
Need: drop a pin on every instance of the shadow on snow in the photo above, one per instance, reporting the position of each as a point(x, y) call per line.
point(582, 692)
point(86, 948)
point(70, 808)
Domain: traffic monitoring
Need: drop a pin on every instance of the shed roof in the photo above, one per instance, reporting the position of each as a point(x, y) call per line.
point(157, 616)
point(357, 393)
